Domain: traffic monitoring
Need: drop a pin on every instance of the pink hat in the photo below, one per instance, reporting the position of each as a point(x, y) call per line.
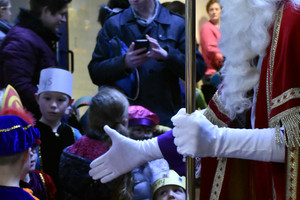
point(138, 115)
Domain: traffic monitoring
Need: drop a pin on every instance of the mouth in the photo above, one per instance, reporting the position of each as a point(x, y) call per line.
point(52, 113)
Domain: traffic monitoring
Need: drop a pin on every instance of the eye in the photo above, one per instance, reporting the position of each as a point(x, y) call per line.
point(47, 98)
point(163, 193)
point(62, 99)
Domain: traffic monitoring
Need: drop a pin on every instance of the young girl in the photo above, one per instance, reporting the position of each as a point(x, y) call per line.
point(107, 107)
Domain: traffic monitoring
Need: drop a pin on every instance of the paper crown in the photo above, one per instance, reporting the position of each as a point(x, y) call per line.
point(139, 115)
point(55, 80)
point(16, 135)
point(12, 105)
point(168, 178)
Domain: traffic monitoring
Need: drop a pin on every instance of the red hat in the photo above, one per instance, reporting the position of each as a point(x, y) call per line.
point(138, 115)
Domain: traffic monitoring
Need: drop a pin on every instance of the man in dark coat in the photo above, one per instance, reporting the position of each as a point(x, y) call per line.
point(154, 74)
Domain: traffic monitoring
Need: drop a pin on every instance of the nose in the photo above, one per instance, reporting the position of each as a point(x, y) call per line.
point(171, 195)
point(64, 18)
point(53, 104)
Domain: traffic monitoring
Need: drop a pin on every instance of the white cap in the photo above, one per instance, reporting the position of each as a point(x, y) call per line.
point(55, 80)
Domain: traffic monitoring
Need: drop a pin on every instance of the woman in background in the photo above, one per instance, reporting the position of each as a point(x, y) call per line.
point(209, 38)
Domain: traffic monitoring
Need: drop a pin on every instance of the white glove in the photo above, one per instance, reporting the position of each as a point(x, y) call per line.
point(124, 155)
point(197, 136)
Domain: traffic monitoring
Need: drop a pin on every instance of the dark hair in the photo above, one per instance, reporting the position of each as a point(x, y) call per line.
point(53, 5)
point(108, 107)
point(123, 4)
point(105, 11)
point(209, 3)
point(177, 7)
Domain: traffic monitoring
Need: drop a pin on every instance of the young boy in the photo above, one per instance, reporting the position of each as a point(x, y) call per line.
point(142, 125)
point(54, 96)
point(16, 140)
point(169, 185)
point(39, 182)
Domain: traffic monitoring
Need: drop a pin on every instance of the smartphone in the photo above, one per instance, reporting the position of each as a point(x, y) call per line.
point(140, 43)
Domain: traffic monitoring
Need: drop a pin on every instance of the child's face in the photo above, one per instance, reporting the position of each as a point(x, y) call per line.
point(53, 105)
point(141, 132)
point(170, 192)
point(33, 158)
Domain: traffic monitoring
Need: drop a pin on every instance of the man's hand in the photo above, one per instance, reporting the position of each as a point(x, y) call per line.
point(134, 58)
point(156, 51)
point(194, 134)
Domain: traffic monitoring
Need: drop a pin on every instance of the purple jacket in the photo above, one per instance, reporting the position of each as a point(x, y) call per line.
point(25, 51)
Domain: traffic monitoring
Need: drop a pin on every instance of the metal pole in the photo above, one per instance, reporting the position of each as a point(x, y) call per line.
point(190, 82)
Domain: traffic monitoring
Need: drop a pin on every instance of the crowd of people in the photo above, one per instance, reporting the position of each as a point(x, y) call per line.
point(137, 133)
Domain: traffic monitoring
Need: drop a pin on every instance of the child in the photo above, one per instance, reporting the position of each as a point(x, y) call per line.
point(39, 182)
point(142, 124)
point(16, 140)
point(54, 96)
point(107, 107)
point(169, 185)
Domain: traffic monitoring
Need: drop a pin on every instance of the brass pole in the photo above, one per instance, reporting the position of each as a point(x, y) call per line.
point(190, 82)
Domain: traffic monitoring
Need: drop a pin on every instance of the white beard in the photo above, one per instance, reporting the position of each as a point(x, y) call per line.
point(244, 35)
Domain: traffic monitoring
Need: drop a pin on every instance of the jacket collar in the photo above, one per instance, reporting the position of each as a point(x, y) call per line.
point(161, 18)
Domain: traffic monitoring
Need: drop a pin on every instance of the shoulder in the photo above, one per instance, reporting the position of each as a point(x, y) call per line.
point(165, 13)
point(22, 32)
point(77, 133)
point(207, 25)
point(19, 36)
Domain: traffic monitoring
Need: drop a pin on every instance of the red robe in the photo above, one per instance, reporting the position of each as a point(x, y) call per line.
point(278, 102)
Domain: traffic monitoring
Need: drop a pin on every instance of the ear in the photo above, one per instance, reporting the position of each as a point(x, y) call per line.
point(36, 96)
point(71, 101)
point(44, 13)
point(26, 155)
point(45, 10)
point(125, 123)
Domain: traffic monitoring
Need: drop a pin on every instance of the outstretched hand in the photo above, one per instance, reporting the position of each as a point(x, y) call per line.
point(124, 155)
point(115, 162)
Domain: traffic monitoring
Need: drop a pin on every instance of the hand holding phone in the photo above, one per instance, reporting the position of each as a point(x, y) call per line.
point(141, 43)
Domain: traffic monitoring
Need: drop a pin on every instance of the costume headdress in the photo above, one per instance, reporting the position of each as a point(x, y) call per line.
point(55, 80)
point(139, 115)
point(12, 105)
point(16, 135)
point(168, 178)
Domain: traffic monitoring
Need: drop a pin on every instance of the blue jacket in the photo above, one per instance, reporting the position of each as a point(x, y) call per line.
point(159, 88)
